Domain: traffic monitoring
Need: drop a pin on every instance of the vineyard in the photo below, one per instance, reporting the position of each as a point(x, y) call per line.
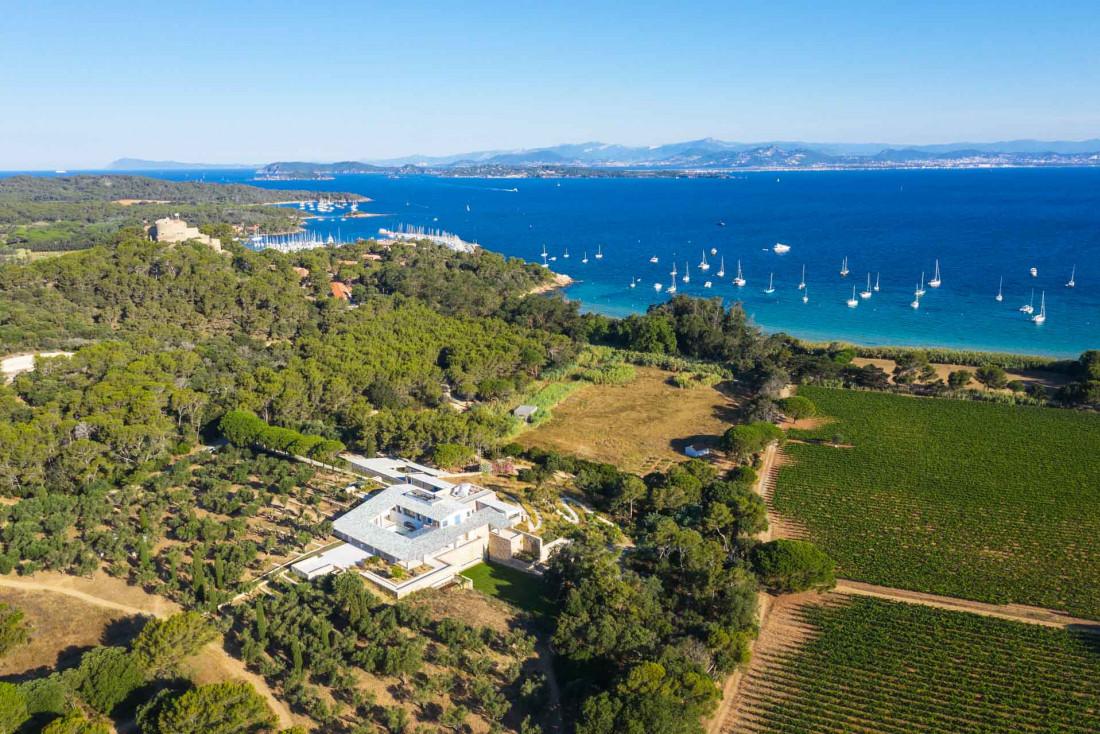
point(989, 502)
point(882, 667)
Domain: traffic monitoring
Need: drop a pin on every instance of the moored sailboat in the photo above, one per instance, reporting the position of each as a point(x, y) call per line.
point(935, 282)
point(1029, 307)
point(1042, 315)
point(866, 293)
point(771, 284)
point(739, 281)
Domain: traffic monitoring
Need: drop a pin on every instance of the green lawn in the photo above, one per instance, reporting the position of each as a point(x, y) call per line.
point(519, 589)
point(876, 666)
point(970, 499)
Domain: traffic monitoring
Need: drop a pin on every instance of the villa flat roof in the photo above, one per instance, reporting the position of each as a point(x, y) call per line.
point(390, 466)
point(358, 524)
point(341, 557)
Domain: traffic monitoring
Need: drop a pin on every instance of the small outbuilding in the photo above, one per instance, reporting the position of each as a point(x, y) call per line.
point(525, 412)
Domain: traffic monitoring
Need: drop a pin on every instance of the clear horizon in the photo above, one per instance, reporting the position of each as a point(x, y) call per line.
point(258, 82)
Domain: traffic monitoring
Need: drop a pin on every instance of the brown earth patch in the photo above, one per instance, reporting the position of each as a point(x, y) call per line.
point(1045, 378)
point(640, 426)
point(61, 630)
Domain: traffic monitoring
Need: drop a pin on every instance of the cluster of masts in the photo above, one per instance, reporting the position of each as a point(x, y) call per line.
point(293, 242)
point(918, 292)
point(547, 258)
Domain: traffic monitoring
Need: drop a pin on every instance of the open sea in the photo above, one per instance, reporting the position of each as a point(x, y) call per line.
point(982, 225)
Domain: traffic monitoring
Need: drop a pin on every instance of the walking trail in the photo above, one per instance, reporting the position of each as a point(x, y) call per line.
point(130, 600)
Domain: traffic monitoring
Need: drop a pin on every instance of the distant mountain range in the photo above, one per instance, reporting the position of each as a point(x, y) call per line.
point(706, 154)
point(140, 164)
point(712, 153)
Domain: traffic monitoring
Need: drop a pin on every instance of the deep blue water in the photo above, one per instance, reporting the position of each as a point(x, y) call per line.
point(981, 224)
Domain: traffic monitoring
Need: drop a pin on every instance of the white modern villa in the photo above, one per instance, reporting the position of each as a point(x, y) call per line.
point(421, 530)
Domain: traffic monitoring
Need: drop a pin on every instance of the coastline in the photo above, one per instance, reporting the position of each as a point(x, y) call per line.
point(863, 348)
point(560, 280)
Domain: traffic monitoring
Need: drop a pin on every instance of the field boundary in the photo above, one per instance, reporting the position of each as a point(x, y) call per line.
point(1012, 612)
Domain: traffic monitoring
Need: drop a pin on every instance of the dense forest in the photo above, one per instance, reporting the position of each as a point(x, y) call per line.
point(42, 214)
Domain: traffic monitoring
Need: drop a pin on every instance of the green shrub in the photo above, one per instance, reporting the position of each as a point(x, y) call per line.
point(745, 440)
point(451, 455)
point(796, 407)
point(787, 566)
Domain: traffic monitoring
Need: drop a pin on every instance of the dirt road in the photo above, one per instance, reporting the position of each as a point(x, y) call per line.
point(110, 593)
point(1014, 612)
point(763, 606)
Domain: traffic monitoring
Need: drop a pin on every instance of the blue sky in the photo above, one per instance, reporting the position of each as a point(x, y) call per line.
point(84, 83)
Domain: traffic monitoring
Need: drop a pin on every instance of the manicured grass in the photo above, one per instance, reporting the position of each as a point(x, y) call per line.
point(519, 589)
point(877, 666)
point(976, 500)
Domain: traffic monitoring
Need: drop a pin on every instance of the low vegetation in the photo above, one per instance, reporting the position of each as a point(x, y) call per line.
point(883, 667)
point(350, 661)
point(638, 425)
point(970, 499)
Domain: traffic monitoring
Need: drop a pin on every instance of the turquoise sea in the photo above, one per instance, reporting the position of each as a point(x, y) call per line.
point(982, 225)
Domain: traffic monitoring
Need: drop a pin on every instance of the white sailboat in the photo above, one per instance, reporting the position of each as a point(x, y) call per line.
point(1000, 290)
point(584, 260)
point(878, 276)
point(805, 295)
point(844, 268)
point(1029, 307)
point(866, 293)
point(633, 282)
point(739, 281)
point(687, 272)
point(672, 288)
point(920, 288)
point(565, 254)
point(1072, 282)
point(853, 301)
point(1042, 315)
point(771, 285)
point(544, 263)
point(704, 265)
point(599, 252)
point(915, 303)
point(722, 268)
point(935, 282)
point(802, 283)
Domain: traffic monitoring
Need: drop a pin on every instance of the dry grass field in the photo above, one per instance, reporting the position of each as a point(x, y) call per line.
point(1043, 377)
point(640, 426)
point(62, 628)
